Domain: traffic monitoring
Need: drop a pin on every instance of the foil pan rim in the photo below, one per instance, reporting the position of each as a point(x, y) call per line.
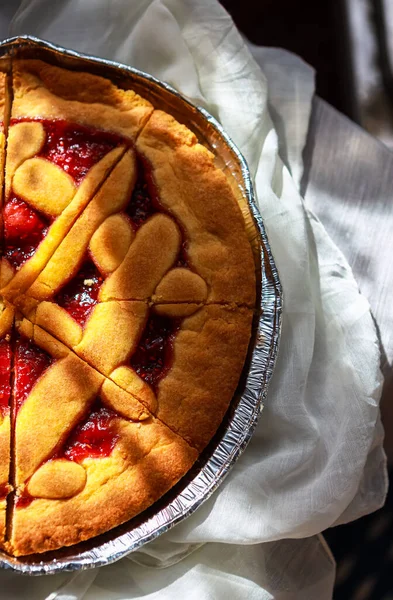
point(245, 416)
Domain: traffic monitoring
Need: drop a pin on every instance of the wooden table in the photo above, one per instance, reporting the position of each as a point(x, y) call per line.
point(348, 184)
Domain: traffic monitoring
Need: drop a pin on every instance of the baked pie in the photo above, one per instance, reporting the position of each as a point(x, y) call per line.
point(127, 289)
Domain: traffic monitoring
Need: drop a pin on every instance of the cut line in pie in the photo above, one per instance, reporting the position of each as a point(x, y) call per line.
point(128, 290)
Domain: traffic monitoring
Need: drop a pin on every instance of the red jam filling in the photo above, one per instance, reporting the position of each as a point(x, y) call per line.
point(24, 228)
point(153, 356)
point(144, 201)
point(94, 438)
point(4, 489)
point(75, 148)
point(182, 259)
point(30, 362)
point(5, 376)
point(24, 500)
point(79, 296)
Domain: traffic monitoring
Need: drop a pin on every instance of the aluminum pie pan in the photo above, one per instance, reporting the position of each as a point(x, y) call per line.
point(239, 423)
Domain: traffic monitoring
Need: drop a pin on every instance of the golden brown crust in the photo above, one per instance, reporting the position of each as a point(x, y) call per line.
point(56, 320)
point(3, 522)
point(110, 242)
point(209, 351)
point(49, 92)
point(5, 487)
point(198, 195)
point(125, 404)
point(208, 356)
point(25, 140)
point(122, 322)
point(5, 435)
point(56, 479)
point(125, 322)
point(198, 198)
point(147, 461)
point(44, 185)
point(180, 285)
point(3, 99)
point(150, 256)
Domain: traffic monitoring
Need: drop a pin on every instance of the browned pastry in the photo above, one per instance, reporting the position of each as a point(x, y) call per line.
point(6, 319)
point(125, 254)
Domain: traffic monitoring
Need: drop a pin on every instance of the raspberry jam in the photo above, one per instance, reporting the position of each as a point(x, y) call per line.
point(94, 438)
point(24, 500)
point(5, 375)
point(24, 228)
point(75, 148)
point(30, 362)
point(144, 201)
point(182, 259)
point(153, 356)
point(80, 295)
point(4, 489)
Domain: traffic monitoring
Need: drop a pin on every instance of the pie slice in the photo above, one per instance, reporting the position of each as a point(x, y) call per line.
point(67, 132)
point(92, 446)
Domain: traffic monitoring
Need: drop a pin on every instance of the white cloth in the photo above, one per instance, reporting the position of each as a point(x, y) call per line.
point(316, 455)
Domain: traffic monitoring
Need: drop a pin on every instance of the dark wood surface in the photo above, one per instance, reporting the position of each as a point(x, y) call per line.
point(315, 30)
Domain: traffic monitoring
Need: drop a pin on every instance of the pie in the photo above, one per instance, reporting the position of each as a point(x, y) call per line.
point(127, 289)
